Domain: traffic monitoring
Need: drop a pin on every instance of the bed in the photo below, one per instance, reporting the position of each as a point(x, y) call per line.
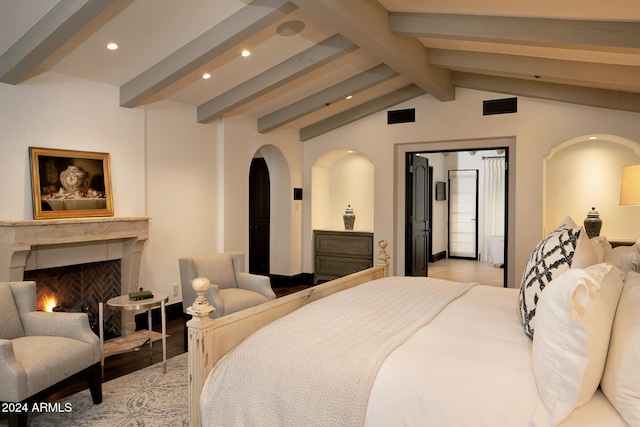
point(375, 350)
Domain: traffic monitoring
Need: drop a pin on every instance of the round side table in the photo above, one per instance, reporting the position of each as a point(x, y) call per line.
point(123, 303)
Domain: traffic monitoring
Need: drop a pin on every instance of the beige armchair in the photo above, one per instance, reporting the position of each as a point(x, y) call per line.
point(42, 352)
point(231, 288)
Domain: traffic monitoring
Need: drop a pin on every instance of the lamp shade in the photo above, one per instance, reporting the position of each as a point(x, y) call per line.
point(630, 187)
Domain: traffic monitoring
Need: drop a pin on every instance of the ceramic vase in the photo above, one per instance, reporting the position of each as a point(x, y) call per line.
point(349, 218)
point(593, 223)
point(74, 179)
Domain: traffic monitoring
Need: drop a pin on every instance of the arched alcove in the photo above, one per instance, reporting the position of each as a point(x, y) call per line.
point(584, 172)
point(338, 179)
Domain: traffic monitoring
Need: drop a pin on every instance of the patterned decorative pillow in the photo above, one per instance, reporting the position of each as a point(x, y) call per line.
point(551, 257)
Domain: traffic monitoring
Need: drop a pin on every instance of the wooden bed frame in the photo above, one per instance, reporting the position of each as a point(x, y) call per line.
point(210, 339)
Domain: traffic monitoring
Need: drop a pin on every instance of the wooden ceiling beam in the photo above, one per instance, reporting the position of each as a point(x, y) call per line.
point(361, 111)
point(589, 34)
point(365, 22)
point(601, 98)
point(328, 96)
point(55, 28)
point(578, 73)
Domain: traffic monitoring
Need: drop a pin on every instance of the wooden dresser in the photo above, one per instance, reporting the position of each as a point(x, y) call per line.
point(338, 253)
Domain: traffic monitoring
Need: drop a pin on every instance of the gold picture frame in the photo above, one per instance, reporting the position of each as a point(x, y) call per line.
point(70, 184)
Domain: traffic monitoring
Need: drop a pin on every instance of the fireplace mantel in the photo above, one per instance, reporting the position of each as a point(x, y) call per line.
point(38, 244)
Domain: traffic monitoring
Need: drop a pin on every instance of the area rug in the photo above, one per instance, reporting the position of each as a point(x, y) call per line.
point(145, 398)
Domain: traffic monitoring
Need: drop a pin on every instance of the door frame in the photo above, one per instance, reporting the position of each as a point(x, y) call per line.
point(507, 143)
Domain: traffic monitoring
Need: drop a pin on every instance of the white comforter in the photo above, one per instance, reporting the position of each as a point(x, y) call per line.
point(316, 366)
point(468, 366)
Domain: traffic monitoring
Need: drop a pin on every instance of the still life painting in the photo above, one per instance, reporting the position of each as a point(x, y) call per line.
point(70, 184)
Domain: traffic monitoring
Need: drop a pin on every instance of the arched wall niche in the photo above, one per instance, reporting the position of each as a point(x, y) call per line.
point(338, 179)
point(280, 213)
point(584, 172)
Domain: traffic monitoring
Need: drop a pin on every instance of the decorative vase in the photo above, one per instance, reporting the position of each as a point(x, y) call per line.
point(349, 218)
point(75, 179)
point(593, 223)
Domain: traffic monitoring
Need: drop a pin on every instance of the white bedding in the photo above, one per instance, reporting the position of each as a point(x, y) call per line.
point(470, 366)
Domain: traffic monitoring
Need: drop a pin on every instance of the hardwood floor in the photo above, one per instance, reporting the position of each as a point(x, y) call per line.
point(460, 270)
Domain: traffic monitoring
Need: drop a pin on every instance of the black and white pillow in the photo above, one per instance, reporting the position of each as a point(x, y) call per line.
point(552, 256)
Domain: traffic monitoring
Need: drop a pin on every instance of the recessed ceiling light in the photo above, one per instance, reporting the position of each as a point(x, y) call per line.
point(112, 46)
point(245, 53)
point(206, 76)
point(349, 96)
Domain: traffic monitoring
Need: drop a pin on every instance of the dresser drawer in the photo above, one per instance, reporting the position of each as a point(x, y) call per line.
point(344, 244)
point(328, 267)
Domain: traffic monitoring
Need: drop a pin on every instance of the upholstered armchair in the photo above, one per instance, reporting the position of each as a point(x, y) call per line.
point(231, 288)
point(42, 352)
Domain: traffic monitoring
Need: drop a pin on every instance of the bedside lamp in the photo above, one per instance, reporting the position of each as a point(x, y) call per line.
point(630, 186)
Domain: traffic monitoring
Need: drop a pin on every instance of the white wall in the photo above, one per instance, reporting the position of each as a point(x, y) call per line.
point(182, 180)
point(535, 129)
point(240, 143)
point(161, 162)
point(55, 111)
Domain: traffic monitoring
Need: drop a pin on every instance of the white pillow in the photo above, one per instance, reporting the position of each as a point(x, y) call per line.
point(565, 247)
point(601, 247)
point(574, 319)
point(621, 378)
point(626, 258)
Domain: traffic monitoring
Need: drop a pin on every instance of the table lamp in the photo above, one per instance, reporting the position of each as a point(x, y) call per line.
point(630, 187)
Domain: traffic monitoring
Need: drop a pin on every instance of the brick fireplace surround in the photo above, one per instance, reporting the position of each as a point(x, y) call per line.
point(40, 244)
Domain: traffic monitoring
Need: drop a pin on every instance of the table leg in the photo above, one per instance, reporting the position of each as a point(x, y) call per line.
point(150, 333)
point(164, 336)
point(101, 331)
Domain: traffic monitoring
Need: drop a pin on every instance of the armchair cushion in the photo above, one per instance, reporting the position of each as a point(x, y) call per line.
point(10, 325)
point(236, 299)
point(46, 361)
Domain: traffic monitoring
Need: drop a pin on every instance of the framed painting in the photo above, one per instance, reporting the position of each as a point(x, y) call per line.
point(70, 184)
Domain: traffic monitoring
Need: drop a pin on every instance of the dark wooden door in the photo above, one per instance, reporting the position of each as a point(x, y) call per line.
point(259, 217)
point(417, 200)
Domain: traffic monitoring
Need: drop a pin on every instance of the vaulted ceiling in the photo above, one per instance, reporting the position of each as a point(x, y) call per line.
point(308, 56)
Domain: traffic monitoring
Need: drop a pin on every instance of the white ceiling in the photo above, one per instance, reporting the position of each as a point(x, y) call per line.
point(592, 57)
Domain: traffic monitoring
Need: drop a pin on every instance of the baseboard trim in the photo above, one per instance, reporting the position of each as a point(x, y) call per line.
point(281, 281)
point(438, 256)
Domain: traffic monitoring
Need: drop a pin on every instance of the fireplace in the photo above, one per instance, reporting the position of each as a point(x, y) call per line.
point(85, 258)
point(79, 288)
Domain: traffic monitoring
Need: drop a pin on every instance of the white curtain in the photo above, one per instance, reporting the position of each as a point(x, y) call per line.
point(494, 200)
